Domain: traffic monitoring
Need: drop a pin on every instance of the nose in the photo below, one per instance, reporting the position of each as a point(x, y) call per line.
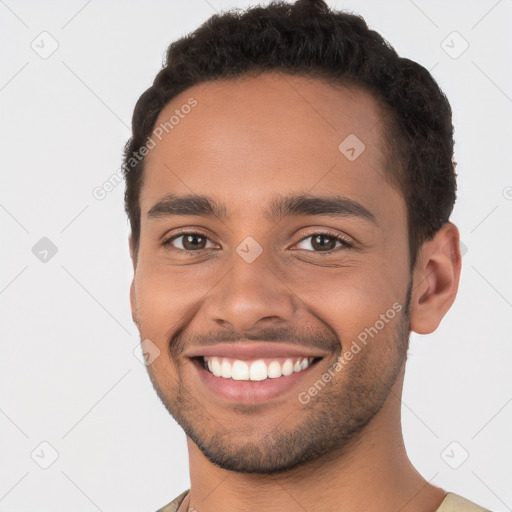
point(251, 295)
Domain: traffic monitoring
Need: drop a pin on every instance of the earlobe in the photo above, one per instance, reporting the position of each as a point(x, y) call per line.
point(436, 280)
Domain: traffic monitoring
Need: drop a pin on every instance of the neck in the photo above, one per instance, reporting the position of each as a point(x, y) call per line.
point(371, 473)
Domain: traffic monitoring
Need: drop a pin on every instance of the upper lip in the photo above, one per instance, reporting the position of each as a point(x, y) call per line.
point(254, 350)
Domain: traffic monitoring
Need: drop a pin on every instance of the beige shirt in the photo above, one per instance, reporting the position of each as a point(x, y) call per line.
point(451, 503)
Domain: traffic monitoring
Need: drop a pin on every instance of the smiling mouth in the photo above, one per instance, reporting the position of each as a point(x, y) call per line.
point(257, 369)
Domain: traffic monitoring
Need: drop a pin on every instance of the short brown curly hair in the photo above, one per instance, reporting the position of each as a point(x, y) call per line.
point(310, 39)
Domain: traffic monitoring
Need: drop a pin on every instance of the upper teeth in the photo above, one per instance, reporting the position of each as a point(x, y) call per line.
point(255, 370)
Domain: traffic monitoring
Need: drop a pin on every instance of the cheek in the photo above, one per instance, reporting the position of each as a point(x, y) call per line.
point(166, 296)
point(363, 307)
point(354, 295)
point(157, 305)
point(160, 309)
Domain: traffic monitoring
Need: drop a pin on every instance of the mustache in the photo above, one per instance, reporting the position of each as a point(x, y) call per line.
point(326, 341)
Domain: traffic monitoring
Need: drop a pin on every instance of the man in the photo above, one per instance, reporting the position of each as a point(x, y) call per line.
point(289, 185)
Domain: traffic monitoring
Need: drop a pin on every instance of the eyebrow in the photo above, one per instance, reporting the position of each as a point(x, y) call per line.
point(191, 204)
point(280, 207)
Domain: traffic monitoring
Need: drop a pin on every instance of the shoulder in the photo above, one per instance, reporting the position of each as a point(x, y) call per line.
point(174, 505)
point(455, 503)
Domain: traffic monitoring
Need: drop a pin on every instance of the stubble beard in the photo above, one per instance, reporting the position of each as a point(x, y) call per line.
point(335, 418)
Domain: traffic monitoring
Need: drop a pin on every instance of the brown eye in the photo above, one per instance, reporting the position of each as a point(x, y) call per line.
point(193, 242)
point(189, 242)
point(323, 242)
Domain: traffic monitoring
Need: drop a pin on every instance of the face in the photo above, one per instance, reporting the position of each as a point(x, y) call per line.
point(272, 272)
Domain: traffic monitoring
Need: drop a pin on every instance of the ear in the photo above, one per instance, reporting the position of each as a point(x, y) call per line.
point(435, 279)
point(133, 252)
point(133, 302)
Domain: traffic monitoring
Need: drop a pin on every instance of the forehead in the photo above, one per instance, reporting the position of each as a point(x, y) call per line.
point(245, 139)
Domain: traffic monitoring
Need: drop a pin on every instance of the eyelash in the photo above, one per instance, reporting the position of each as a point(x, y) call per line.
point(339, 238)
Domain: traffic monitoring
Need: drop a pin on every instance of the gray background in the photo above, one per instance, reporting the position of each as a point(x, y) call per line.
point(68, 373)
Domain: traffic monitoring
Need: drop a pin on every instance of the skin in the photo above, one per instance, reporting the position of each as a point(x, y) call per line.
point(244, 142)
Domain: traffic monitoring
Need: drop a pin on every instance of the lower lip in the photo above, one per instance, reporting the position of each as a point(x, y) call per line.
point(250, 392)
